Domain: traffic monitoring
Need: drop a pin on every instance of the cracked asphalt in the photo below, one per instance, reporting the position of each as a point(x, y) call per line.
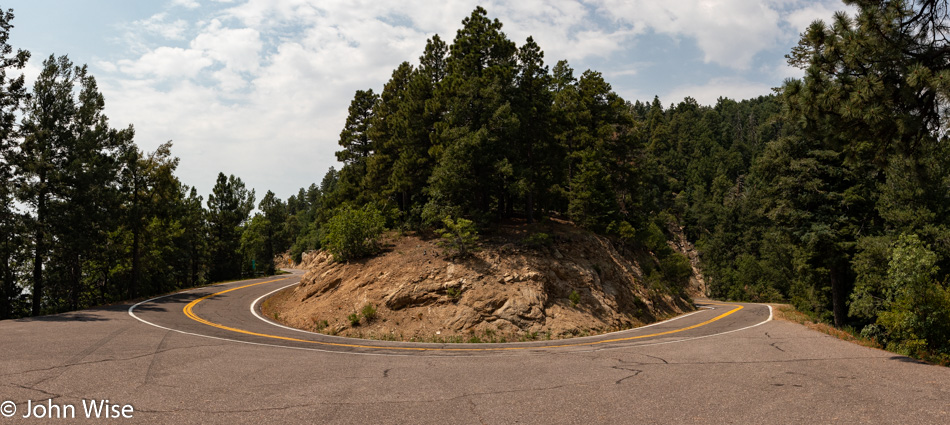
point(738, 368)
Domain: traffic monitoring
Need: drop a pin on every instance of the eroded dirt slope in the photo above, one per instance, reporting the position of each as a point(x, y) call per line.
point(577, 284)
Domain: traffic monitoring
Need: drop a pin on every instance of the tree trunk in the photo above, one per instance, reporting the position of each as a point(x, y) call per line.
point(839, 295)
point(75, 276)
point(194, 264)
point(133, 280)
point(6, 293)
point(529, 206)
point(39, 252)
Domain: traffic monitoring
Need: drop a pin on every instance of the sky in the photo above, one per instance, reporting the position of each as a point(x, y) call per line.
point(260, 88)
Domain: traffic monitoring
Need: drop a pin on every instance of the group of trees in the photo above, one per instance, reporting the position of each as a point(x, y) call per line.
point(833, 194)
point(86, 217)
point(845, 210)
point(482, 128)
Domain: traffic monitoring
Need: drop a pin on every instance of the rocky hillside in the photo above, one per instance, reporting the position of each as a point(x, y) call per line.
point(514, 288)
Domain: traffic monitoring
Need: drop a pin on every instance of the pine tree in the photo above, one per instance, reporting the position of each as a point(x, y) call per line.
point(229, 207)
point(535, 153)
point(387, 133)
point(869, 117)
point(264, 237)
point(12, 237)
point(472, 172)
point(151, 194)
point(600, 155)
point(357, 145)
point(87, 199)
point(65, 169)
point(418, 114)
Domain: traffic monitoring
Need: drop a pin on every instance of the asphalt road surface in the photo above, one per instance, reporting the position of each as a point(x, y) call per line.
point(205, 356)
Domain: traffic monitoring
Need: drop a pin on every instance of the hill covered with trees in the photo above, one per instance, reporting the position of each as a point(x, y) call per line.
point(831, 194)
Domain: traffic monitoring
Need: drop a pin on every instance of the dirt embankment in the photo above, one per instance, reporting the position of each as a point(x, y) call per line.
point(574, 284)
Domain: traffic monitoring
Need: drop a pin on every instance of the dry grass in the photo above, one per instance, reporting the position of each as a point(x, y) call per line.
point(790, 314)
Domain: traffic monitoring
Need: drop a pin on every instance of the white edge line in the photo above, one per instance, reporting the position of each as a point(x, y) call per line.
point(433, 354)
point(693, 338)
point(131, 313)
point(268, 321)
point(271, 322)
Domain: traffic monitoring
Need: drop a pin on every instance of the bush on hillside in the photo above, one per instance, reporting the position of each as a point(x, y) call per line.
point(353, 232)
point(459, 237)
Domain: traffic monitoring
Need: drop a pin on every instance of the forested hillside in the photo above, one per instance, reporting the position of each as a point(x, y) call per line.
point(845, 213)
point(832, 194)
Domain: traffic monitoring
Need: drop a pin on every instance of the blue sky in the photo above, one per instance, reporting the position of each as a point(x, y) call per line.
point(260, 88)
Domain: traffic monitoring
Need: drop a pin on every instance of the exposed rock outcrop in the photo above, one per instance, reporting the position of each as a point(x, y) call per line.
point(579, 283)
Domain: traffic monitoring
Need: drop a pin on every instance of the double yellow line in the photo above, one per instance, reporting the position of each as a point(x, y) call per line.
point(189, 312)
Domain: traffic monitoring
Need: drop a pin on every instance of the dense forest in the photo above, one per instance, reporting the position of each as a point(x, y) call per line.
point(831, 194)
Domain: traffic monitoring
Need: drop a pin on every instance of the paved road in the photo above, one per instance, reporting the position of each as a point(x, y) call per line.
point(203, 357)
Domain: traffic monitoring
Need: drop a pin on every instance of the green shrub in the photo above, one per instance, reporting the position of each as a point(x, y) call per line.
point(353, 233)
point(575, 298)
point(676, 269)
point(319, 325)
point(537, 240)
point(354, 319)
point(459, 237)
point(624, 230)
point(369, 312)
point(916, 319)
point(454, 293)
point(653, 238)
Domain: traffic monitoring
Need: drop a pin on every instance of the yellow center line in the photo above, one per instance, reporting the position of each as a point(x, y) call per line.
point(188, 310)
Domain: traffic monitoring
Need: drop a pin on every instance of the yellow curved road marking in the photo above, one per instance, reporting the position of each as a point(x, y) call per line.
point(188, 310)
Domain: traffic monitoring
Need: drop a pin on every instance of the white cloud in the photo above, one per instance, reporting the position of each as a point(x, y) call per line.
point(801, 18)
point(709, 92)
point(729, 32)
point(261, 88)
point(157, 24)
point(187, 4)
point(238, 49)
point(166, 62)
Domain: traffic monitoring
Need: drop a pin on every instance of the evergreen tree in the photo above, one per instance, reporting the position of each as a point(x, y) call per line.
point(12, 236)
point(65, 167)
point(870, 115)
point(603, 130)
point(357, 145)
point(195, 247)
point(472, 171)
point(156, 210)
point(45, 130)
point(535, 155)
point(388, 134)
point(264, 237)
point(87, 196)
point(419, 113)
point(229, 207)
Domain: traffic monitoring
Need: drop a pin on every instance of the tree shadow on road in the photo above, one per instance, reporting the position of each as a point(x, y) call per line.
point(905, 359)
point(95, 315)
